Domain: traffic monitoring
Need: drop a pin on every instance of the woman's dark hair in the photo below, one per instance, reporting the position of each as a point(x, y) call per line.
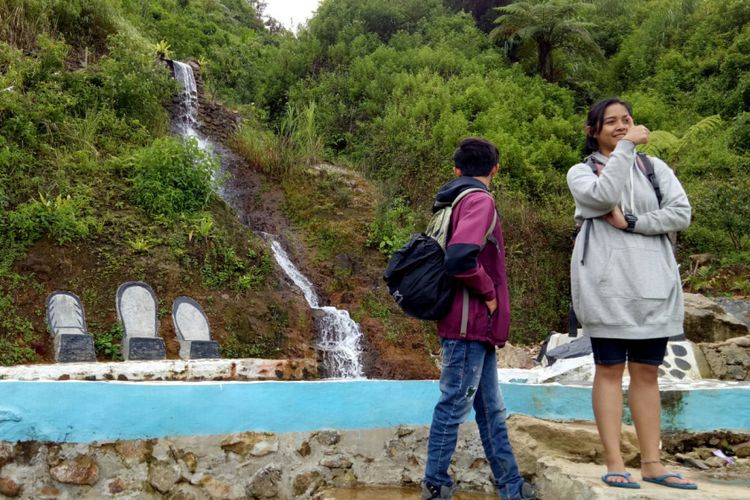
point(475, 157)
point(595, 119)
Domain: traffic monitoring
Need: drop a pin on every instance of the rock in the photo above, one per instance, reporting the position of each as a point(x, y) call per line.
point(244, 443)
point(692, 461)
point(135, 451)
point(328, 438)
point(715, 462)
point(47, 492)
point(577, 441)
point(736, 355)
point(190, 461)
point(6, 453)
point(514, 357)
point(346, 480)
point(302, 482)
point(740, 341)
point(707, 321)
point(9, 487)
point(116, 486)
point(727, 360)
point(336, 462)
point(264, 448)
point(304, 449)
point(742, 450)
point(739, 308)
point(561, 480)
point(735, 372)
point(81, 470)
point(404, 431)
point(162, 475)
point(265, 483)
point(185, 491)
point(220, 489)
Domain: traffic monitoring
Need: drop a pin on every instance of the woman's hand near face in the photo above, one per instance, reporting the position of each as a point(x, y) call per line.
point(637, 134)
point(616, 219)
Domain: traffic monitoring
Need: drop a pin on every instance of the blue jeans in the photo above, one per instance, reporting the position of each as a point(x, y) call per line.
point(469, 377)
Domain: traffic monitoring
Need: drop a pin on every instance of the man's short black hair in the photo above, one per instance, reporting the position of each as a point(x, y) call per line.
point(475, 157)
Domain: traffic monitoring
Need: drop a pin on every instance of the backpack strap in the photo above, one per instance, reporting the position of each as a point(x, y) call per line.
point(647, 167)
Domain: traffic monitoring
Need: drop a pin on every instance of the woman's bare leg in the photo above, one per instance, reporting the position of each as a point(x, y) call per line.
point(645, 407)
point(607, 402)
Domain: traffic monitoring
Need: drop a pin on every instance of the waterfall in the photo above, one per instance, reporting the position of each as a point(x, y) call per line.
point(186, 121)
point(339, 335)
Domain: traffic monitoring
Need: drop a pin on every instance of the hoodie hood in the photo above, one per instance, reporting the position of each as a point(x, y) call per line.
point(450, 191)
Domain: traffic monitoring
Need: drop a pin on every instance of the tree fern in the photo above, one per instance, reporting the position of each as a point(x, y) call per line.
point(668, 146)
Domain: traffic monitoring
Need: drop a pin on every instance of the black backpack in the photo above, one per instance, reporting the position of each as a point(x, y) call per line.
point(416, 276)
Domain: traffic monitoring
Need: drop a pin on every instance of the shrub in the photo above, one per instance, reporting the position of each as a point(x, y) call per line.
point(173, 177)
point(392, 228)
point(63, 219)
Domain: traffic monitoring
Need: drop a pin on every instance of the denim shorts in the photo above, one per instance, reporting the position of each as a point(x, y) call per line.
point(617, 351)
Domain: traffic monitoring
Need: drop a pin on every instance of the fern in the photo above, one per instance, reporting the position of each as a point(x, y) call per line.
point(668, 146)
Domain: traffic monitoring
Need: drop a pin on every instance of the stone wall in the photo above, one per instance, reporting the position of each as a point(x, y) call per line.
point(278, 466)
point(245, 465)
point(257, 465)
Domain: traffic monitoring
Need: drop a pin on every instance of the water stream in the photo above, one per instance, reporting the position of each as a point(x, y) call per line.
point(339, 336)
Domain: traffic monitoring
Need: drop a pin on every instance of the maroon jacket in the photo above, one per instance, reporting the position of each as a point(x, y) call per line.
point(479, 268)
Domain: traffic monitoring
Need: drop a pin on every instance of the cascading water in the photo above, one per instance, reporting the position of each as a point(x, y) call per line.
point(339, 335)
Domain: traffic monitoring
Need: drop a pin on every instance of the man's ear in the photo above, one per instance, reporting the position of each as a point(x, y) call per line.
point(456, 171)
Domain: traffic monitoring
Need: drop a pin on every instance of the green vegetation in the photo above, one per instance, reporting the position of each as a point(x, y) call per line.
point(91, 178)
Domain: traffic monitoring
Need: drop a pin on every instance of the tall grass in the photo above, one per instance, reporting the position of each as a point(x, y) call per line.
point(296, 143)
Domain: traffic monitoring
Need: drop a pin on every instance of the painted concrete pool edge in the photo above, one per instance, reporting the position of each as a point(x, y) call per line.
point(78, 411)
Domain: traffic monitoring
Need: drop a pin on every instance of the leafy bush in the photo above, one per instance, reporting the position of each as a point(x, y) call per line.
point(173, 177)
point(724, 206)
point(63, 219)
point(395, 224)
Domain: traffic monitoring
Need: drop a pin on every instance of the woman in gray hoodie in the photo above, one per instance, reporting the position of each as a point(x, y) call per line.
point(625, 281)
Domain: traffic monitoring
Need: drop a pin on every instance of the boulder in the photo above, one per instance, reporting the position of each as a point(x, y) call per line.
point(576, 441)
point(511, 356)
point(728, 360)
point(707, 321)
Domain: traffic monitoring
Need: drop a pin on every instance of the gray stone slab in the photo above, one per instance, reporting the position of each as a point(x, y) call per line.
point(144, 348)
point(204, 349)
point(193, 332)
point(136, 309)
point(74, 348)
point(66, 322)
point(65, 314)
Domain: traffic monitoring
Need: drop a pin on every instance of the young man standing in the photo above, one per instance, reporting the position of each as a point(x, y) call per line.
point(478, 321)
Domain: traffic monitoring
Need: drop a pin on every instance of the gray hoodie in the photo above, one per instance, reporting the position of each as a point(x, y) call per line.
point(628, 286)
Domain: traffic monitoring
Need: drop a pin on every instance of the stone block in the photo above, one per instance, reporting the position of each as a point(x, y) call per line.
point(73, 348)
point(144, 348)
point(204, 349)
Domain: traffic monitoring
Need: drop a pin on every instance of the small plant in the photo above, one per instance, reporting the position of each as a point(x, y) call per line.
point(202, 227)
point(108, 344)
point(162, 50)
point(392, 228)
point(141, 244)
